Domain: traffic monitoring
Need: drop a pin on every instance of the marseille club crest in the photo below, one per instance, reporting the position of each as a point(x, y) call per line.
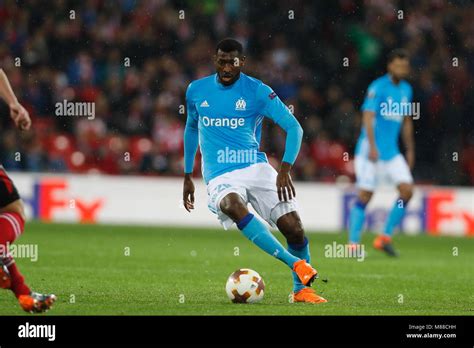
point(240, 104)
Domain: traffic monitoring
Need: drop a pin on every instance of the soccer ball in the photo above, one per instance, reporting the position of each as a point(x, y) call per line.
point(245, 286)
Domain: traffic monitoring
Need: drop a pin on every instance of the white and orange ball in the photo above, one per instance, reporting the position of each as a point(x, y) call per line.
point(245, 286)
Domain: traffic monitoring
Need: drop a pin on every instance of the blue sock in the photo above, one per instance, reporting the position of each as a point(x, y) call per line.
point(395, 216)
point(260, 235)
point(356, 221)
point(301, 251)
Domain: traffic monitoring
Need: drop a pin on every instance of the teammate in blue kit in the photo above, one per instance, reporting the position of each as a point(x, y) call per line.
point(387, 110)
point(225, 114)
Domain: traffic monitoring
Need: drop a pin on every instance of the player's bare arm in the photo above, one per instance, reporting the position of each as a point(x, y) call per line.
point(408, 138)
point(18, 113)
point(294, 136)
point(368, 122)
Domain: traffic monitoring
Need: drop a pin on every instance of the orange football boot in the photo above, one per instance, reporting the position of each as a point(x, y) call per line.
point(379, 241)
point(36, 303)
point(384, 243)
point(5, 279)
point(305, 272)
point(308, 295)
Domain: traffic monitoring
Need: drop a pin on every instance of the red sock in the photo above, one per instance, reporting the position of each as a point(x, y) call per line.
point(11, 226)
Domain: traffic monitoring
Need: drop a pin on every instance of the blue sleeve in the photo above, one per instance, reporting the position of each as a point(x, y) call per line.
point(276, 110)
point(371, 98)
point(191, 133)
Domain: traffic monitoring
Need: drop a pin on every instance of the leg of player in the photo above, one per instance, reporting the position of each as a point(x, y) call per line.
point(384, 242)
point(12, 221)
point(291, 227)
point(233, 206)
point(11, 226)
point(357, 216)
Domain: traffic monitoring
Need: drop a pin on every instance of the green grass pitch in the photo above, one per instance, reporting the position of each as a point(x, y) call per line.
point(182, 271)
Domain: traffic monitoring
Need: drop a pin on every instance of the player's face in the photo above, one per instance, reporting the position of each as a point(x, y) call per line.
point(228, 66)
point(399, 68)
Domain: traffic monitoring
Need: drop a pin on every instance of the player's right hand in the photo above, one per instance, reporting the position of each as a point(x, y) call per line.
point(373, 154)
point(188, 193)
point(20, 116)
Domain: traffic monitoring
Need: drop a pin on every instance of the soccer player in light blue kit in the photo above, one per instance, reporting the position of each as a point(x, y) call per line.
point(387, 110)
point(224, 118)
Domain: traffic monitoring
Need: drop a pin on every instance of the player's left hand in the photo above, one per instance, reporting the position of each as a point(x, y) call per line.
point(285, 188)
point(188, 193)
point(20, 116)
point(410, 156)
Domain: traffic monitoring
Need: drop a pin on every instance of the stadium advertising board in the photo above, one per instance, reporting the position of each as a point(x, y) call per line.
point(94, 199)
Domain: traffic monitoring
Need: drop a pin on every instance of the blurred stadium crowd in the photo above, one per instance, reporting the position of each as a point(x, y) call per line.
point(138, 126)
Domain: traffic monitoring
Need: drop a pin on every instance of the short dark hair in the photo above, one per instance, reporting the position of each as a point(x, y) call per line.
point(397, 53)
point(228, 45)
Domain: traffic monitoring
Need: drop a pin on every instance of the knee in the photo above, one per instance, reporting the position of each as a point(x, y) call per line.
point(20, 210)
point(15, 207)
point(365, 196)
point(234, 207)
point(406, 192)
point(227, 206)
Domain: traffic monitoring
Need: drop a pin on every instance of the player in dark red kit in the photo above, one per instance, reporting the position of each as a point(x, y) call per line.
point(12, 218)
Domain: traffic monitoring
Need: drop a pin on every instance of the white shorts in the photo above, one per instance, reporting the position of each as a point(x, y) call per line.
point(256, 185)
point(370, 174)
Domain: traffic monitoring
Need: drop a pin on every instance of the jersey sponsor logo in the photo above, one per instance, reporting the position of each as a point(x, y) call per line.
point(204, 104)
point(240, 105)
point(232, 123)
point(272, 95)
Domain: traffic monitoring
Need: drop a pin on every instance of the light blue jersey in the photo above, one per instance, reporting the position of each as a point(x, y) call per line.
point(227, 120)
point(390, 102)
